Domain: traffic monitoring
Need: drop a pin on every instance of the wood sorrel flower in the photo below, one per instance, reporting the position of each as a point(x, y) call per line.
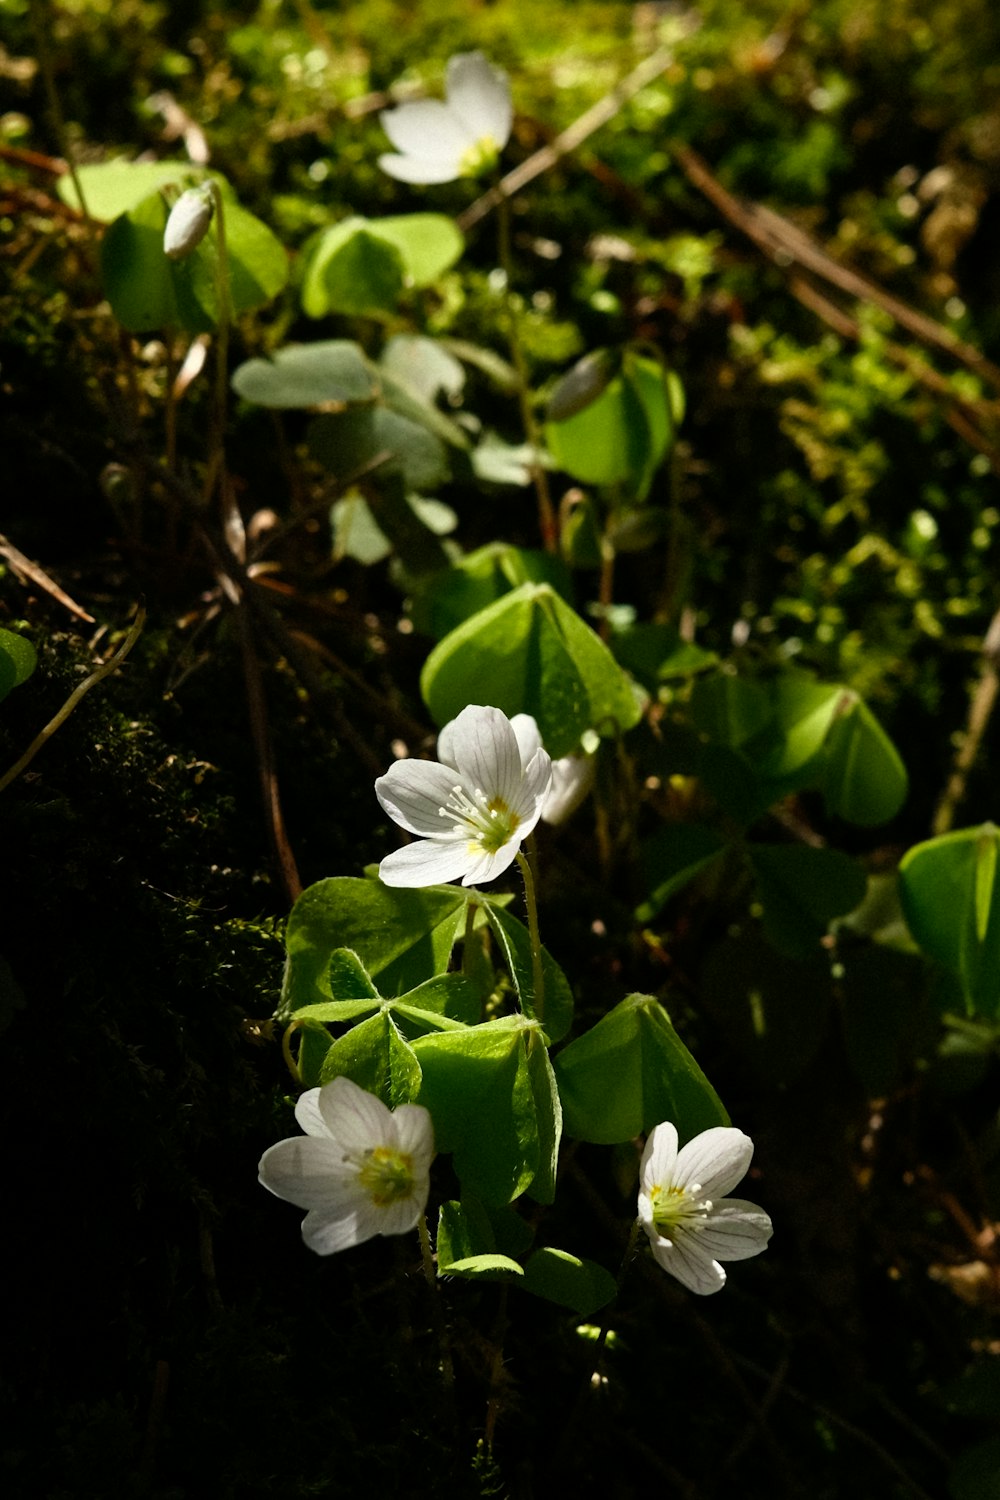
point(459, 137)
point(472, 809)
point(572, 775)
point(360, 1169)
point(682, 1207)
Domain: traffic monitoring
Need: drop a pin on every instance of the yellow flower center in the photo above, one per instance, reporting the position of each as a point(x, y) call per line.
point(674, 1207)
point(386, 1175)
point(488, 822)
point(479, 158)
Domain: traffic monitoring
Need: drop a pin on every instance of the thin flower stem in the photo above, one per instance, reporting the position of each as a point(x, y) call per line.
point(494, 1400)
point(537, 972)
point(286, 1051)
point(593, 1374)
point(104, 670)
point(470, 921)
point(606, 585)
point(602, 1337)
point(547, 522)
point(430, 1272)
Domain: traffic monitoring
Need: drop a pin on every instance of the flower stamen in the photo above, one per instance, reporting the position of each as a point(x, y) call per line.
point(386, 1175)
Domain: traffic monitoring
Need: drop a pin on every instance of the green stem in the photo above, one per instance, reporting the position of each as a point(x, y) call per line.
point(537, 973)
point(104, 670)
point(602, 1337)
point(430, 1272)
point(593, 1375)
point(547, 523)
point(287, 1053)
point(467, 941)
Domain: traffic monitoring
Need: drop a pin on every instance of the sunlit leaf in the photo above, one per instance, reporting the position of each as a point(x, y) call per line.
point(403, 937)
point(864, 777)
point(147, 291)
point(487, 1107)
point(628, 1073)
point(18, 659)
point(562, 1278)
point(375, 1056)
point(951, 901)
point(538, 657)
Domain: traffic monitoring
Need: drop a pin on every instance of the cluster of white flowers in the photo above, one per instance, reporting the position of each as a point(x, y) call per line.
point(363, 1170)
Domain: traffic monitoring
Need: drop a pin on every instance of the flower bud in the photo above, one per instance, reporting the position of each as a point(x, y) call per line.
point(188, 223)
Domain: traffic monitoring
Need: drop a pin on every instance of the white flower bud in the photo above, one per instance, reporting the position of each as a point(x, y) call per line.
point(188, 223)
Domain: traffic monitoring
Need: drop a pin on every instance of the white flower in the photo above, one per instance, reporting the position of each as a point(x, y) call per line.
point(572, 775)
point(188, 222)
point(572, 778)
point(441, 141)
point(473, 809)
point(683, 1208)
point(360, 1169)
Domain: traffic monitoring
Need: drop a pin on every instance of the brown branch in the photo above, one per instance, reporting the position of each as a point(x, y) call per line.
point(962, 415)
point(573, 136)
point(980, 709)
point(788, 245)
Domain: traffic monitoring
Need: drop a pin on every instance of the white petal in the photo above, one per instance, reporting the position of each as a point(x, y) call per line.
point(420, 169)
point(413, 792)
point(535, 787)
point(402, 1216)
point(572, 779)
point(309, 1173)
point(445, 745)
point(486, 754)
point(310, 1116)
point(486, 867)
point(717, 1160)
point(479, 94)
point(692, 1266)
point(326, 1233)
point(425, 863)
point(427, 129)
point(735, 1230)
point(415, 1133)
point(527, 734)
point(659, 1157)
point(356, 1120)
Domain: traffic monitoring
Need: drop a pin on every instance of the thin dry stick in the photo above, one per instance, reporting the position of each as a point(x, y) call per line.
point(25, 568)
point(785, 243)
point(235, 587)
point(43, 29)
point(547, 523)
point(573, 136)
point(257, 704)
point(983, 702)
point(963, 415)
point(104, 670)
